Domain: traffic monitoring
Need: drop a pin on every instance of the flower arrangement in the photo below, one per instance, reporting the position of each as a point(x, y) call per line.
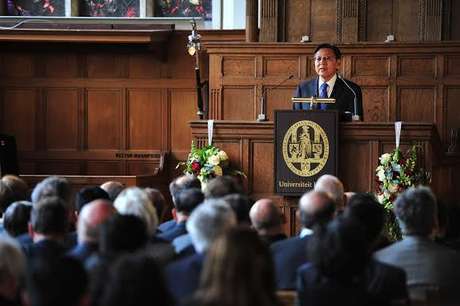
point(395, 173)
point(207, 162)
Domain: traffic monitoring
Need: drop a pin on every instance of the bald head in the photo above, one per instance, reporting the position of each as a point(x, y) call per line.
point(316, 208)
point(265, 217)
point(91, 217)
point(333, 187)
point(113, 188)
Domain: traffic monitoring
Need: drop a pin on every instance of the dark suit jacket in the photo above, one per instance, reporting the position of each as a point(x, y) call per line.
point(183, 276)
point(379, 285)
point(178, 230)
point(166, 226)
point(288, 256)
point(344, 98)
point(82, 251)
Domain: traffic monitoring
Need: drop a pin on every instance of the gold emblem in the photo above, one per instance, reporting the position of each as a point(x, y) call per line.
point(305, 148)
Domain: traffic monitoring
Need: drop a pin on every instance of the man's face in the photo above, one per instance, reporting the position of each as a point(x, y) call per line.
point(326, 64)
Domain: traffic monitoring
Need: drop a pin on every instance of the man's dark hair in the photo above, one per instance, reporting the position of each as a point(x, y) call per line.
point(335, 49)
point(182, 183)
point(321, 216)
point(16, 218)
point(187, 200)
point(122, 233)
point(88, 194)
point(221, 186)
point(416, 211)
point(61, 281)
point(368, 212)
point(241, 205)
point(49, 216)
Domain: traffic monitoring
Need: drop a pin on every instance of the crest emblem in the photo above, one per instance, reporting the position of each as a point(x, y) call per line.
point(305, 148)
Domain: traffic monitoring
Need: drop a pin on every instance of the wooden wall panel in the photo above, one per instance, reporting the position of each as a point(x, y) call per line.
point(54, 63)
point(452, 66)
point(238, 66)
point(20, 107)
point(145, 66)
point(355, 178)
point(420, 99)
point(406, 16)
point(452, 109)
point(136, 167)
point(61, 119)
point(324, 20)
point(146, 114)
point(262, 158)
point(379, 19)
point(104, 119)
point(376, 107)
point(183, 109)
point(104, 168)
point(421, 67)
point(279, 98)
point(455, 20)
point(107, 65)
point(17, 65)
point(58, 167)
point(367, 66)
point(282, 66)
point(297, 19)
point(239, 103)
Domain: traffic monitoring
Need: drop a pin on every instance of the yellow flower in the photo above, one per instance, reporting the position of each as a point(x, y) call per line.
point(218, 170)
point(213, 160)
point(222, 155)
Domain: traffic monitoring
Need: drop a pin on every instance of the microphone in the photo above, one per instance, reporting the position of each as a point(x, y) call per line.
point(355, 116)
point(262, 116)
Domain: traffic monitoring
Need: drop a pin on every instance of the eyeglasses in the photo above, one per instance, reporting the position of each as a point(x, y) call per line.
point(319, 59)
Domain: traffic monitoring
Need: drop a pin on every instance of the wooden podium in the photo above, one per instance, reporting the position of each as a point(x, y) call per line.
point(250, 146)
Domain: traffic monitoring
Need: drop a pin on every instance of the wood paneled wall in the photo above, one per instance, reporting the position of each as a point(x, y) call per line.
point(360, 20)
point(408, 82)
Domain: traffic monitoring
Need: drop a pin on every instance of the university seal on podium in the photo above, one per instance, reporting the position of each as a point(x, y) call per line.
point(305, 148)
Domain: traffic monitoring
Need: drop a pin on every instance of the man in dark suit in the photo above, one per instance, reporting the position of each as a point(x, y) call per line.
point(328, 84)
point(316, 210)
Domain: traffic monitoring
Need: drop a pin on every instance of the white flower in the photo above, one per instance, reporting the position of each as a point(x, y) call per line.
point(381, 174)
point(213, 160)
point(385, 158)
point(392, 188)
point(380, 198)
point(222, 155)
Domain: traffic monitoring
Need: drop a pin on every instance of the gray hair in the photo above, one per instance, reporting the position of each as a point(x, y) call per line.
point(333, 187)
point(416, 211)
point(208, 221)
point(12, 261)
point(53, 186)
point(135, 201)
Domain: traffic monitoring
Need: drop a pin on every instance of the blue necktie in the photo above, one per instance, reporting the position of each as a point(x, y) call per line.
point(323, 94)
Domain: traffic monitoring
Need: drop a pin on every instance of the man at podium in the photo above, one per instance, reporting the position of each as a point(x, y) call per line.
point(329, 84)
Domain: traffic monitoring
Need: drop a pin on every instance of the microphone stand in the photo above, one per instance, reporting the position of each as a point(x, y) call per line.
point(262, 116)
point(355, 116)
point(193, 48)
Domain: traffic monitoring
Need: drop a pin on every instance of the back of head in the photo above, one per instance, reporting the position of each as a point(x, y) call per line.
point(368, 212)
point(188, 199)
point(49, 216)
point(134, 201)
point(113, 189)
point(12, 266)
point(181, 183)
point(88, 194)
point(122, 233)
point(12, 189)
point(416, 211)
point(238, 270)
point(333, 187)
point(145, 281)
point(62, 281)
point(316, 209)
point(221, 186)
point(90, 219)
point(158, 200)
point(241, 205)
point(265, 215)
point(53, 186)
point(340, 251)
point(208, 221)
point(16, 218)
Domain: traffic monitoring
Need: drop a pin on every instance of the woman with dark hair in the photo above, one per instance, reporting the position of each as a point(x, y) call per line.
point(238, 271)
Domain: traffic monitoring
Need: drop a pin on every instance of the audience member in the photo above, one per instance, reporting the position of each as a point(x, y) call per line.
point(175, 187)
point(12, 272)
point(206, 223)
point(184, 204)
point(16, 218)
point(316, 210)
point(88, 194)
point(424, 261)
point(238, 271)
point(241, 205)
point(158, 200)
point(12, 189)
point(221, 186)
point(90, 219)
point(334, 188)
point(58, 282)
point(134, 280)
point(267, 221)
point(113, 189)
